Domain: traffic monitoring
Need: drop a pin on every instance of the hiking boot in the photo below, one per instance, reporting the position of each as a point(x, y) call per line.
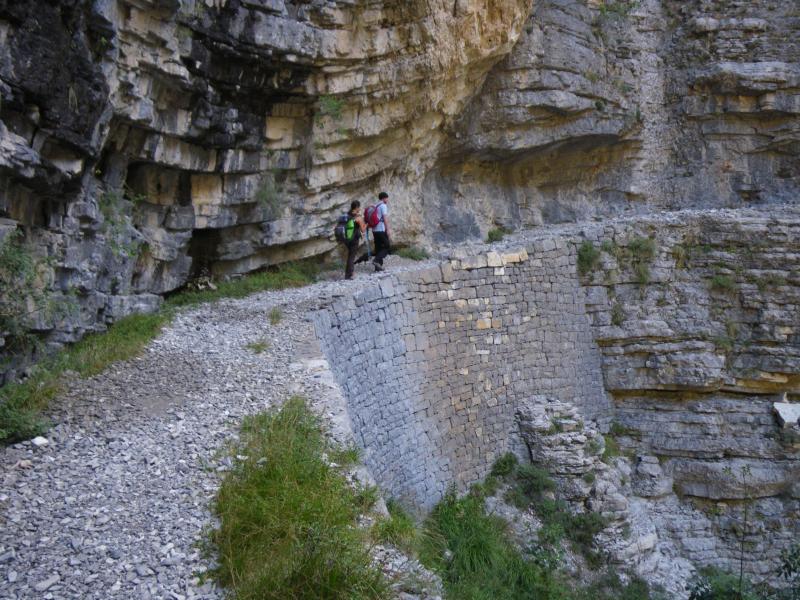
point(378, 266)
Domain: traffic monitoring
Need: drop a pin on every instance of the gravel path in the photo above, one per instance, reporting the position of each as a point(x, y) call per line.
point(113, 505)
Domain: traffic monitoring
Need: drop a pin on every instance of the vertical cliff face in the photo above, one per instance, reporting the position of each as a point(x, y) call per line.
point(146, 141)
point(622, 107)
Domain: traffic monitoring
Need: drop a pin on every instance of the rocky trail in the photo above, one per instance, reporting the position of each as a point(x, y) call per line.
point(114, 504)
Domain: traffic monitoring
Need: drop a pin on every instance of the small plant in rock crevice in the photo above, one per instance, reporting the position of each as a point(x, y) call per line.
point(496, 234)
point(721, 282)
point(399, 529)
point(642, 251)
point(531, 485)
point(24, 293)
point(329, 106)
point(617, 9)
point(269, 195)
point(588, 257)
point(617, 314)
point(121, 235)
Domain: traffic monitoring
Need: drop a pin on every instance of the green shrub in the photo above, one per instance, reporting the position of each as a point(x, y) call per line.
point(505, 465)
point(275, 316)
point(641, 272)
point(610, 587)
point(722, 283)
point(642, 248)
point(611, 449)
point(484, 563)
point(412, 253)
point(617, 9)
point(588, 257)
point(496, 234)
point(714, 584)
point(642, 251)
point(287, 519)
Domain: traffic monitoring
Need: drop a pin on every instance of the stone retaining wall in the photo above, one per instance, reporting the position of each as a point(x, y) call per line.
point(435, 362)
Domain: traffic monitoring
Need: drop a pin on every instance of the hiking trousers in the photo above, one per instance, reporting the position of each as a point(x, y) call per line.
point(352, 250)
point(382, 247)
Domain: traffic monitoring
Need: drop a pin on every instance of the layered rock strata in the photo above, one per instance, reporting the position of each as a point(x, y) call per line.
point(145, 142)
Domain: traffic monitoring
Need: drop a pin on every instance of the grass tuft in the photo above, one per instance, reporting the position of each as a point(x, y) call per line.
point(475, 557)
point(275, 316)
point(288, 519)
point(21, 404)
point(289, 275)
point(412, 253)
point(258, 347)
point(399, 529)
point(722, 283)
point(505, 465)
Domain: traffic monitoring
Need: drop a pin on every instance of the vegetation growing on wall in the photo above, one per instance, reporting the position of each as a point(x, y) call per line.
point(117, 227)
point(23, 293)
point(412, 252)
point(269, 195)
point(329, 106)
point(588, 258)
point(496, 234)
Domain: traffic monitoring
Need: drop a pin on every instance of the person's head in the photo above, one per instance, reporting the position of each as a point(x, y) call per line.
point(355, 205)
point(383, 197)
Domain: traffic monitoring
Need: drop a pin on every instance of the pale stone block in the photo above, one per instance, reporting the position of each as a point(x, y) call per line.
point(493, 259)
point(474, 262)
point(788, 413)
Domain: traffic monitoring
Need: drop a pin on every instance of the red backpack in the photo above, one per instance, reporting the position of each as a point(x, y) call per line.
point(372, 216)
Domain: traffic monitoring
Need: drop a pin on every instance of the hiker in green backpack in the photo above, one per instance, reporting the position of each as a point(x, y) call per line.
point(353, 230)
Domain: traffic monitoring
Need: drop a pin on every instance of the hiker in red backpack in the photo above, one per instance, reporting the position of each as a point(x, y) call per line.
point(377, 219)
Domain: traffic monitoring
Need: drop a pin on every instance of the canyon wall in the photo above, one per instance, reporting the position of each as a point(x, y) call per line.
point(675, 335)
point(143, 143)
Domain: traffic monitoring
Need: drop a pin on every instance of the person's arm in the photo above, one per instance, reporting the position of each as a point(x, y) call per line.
point(361, 225)
point(386, 225)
